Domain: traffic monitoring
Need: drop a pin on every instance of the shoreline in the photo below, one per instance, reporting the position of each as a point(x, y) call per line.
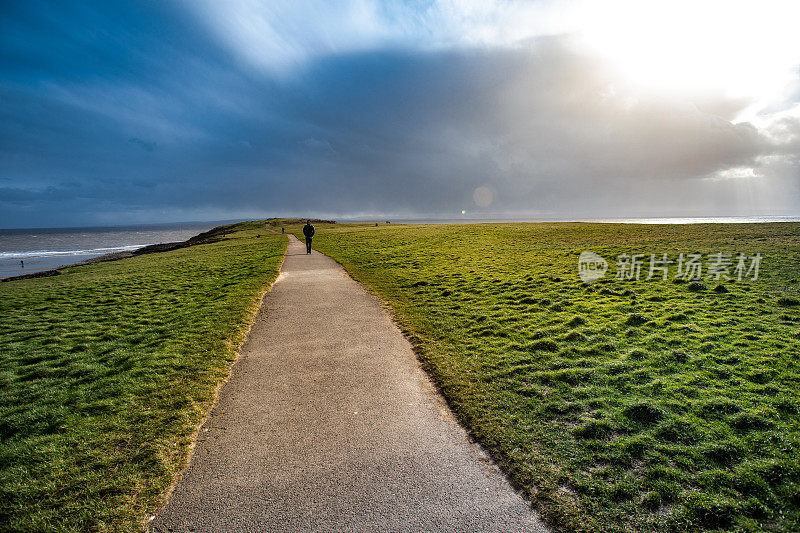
point(207, 237)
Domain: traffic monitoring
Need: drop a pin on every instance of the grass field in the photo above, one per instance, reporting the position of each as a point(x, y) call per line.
point(106, 370)
point(621, 405)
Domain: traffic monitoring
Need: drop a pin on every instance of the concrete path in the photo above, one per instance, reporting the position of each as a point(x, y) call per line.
point(329, 424)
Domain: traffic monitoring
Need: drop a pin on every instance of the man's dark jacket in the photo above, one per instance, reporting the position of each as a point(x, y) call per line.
point(308, 231)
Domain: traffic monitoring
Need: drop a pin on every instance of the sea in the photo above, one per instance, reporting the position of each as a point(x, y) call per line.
point(26, 251)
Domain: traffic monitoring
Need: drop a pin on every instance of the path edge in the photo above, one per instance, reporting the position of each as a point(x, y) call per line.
point(525, 492)
point(257, 306)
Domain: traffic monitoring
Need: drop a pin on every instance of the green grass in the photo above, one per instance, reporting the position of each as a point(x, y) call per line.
point(621, 405)
point(106, 371)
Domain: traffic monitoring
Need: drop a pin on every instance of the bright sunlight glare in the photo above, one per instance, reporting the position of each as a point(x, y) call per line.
point(741, 49)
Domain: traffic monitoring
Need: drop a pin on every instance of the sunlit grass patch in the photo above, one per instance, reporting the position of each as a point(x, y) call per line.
point(620, 405)
point(106, 370)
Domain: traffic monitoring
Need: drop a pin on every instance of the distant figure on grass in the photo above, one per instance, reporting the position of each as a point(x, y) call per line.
point(308, 231)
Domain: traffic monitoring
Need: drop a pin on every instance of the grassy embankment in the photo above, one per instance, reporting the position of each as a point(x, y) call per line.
point(621, 405)
point(106, 370)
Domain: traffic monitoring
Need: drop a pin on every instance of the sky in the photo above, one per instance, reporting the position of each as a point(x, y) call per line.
point(189, 110)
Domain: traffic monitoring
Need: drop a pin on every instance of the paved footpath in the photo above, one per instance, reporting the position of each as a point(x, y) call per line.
point(328, 423)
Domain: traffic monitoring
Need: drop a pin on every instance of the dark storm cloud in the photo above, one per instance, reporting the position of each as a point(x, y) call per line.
point(150, 119)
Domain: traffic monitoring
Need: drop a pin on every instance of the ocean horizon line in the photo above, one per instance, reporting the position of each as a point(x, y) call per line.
point(466, 219)
point(762, 219)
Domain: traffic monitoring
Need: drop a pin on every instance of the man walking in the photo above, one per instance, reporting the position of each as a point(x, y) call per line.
point(308, 231)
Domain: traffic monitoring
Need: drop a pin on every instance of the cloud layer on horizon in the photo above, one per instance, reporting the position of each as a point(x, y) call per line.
point(139, 113)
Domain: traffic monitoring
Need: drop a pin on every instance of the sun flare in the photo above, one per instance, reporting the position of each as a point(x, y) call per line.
point(739, 49)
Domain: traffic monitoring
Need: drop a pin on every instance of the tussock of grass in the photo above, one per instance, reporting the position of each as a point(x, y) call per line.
point(696, 286)
point(621, 405)
point(107, 369)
